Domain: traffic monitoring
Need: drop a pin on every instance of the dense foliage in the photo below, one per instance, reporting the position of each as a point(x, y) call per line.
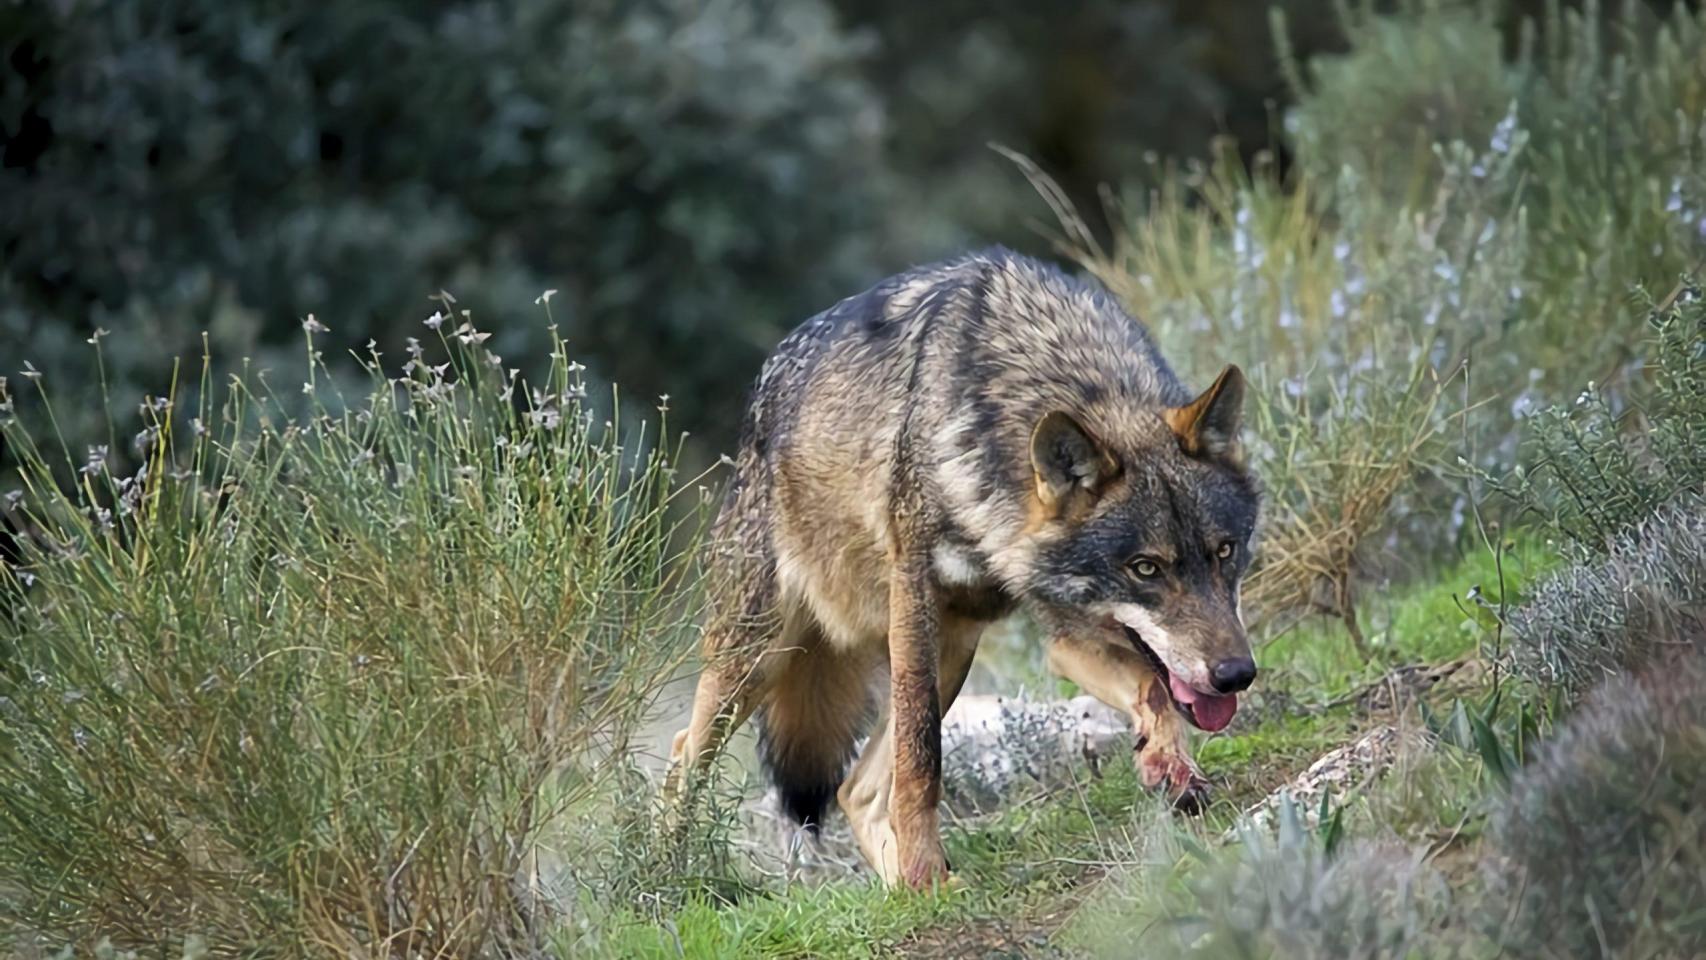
point(1404, 307)
point(691, 178)
point(318, 685)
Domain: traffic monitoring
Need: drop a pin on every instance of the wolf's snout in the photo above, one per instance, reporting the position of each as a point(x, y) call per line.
point(1232, 675)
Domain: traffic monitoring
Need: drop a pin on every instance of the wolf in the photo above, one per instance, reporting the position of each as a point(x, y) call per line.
point(959, 442)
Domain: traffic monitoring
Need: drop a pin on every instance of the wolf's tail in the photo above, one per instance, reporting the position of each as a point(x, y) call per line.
point(808, 727)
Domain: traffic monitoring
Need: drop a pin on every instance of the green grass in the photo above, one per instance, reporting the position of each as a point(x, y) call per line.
point(1429, 621)
point(840, 920)
point(1278, 743)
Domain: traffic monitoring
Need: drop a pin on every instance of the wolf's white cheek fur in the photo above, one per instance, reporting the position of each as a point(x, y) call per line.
point(1190, 668)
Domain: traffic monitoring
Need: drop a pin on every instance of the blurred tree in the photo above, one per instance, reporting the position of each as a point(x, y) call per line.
point(691, 176)
point(1086, 89)
point(1095, 92)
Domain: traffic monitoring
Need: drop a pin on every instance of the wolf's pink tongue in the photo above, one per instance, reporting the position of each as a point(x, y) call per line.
point(1211, 712)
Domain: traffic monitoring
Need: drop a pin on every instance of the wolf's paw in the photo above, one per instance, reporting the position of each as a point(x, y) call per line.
point(1193, 799)
point(1167, 768)
point(927, 868)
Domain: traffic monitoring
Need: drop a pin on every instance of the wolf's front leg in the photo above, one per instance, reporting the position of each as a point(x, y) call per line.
point(915, 721)
point(1121, 678)
point(865, 795)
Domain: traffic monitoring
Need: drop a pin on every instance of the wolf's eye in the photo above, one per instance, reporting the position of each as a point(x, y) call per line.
point(1145, 568)
point(1226, 550)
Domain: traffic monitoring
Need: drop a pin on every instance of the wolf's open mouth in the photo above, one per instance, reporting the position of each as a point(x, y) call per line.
point(1205, 711)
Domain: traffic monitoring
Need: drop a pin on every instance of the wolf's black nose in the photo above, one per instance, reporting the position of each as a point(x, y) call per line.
point(1231, 676)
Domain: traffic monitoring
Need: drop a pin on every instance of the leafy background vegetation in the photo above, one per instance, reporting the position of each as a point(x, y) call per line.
point(327, 630)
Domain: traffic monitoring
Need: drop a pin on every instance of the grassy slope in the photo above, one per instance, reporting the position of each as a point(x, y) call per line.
point(1026, 869)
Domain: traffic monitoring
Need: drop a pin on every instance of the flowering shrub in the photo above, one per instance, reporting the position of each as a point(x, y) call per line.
point(1397, 301)
point(324, 684)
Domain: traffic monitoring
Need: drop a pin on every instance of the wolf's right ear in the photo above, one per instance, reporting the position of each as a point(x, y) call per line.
point(1068, 462)
point(1208, 426)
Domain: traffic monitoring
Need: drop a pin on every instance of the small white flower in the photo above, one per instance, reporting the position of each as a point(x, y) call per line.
point(435, 321)
point(545, 297)
point(98, 334)
point(313, 325)
point(1502, 134)
point(95, 462)
point(30, 372)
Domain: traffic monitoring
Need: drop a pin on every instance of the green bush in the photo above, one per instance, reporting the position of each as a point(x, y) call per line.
point(1433, 74)
point(1282, 896)
point(329, 684)
point(1603, 840)
point(1610, 615)
point(1610, 196)
point(1615, 110)
point(1610, 460)
point(1595, 850)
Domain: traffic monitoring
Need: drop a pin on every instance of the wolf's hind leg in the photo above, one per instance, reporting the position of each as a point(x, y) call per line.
point(866, 793)
point(740, 634)
point(1121, 678)
point(728, 690)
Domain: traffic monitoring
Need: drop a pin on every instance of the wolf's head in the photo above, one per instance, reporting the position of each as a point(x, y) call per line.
point(1143, 526)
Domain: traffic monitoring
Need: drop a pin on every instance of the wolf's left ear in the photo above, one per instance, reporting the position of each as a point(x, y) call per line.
point(1208, 426)
point(1068, 462)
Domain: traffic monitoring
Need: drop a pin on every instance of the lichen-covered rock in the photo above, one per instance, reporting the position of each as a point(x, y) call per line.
point(1344, 771)
point(994, 748)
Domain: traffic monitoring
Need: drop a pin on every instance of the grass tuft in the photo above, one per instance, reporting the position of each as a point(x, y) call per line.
point(323, 673)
